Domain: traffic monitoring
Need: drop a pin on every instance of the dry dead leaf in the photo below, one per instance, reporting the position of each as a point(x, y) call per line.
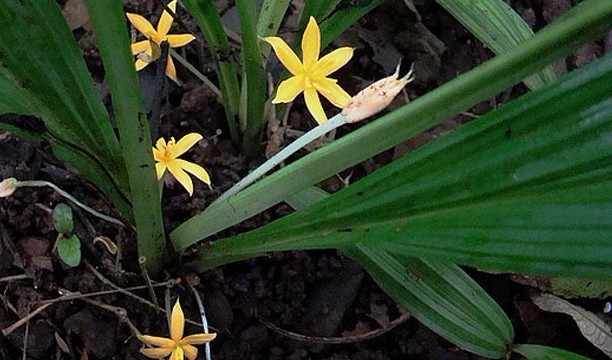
point(108, 243)
point(61, 343)
point(592, 327)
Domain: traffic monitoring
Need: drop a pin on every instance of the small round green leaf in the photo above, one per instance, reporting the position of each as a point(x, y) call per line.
point(69, 250)
point(62, 218)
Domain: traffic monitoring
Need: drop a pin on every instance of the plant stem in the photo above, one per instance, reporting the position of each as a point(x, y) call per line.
point(39, 183)
point(197, 73)
point(282, 155)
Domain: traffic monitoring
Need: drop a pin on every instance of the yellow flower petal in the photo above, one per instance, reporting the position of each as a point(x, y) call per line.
point(194, 169)
point(158, 154)
point(177, 354)
point(197, 339)
point(332, 91)
point(185, 143)
point(314, 105)
point(141, 47)
point(286, 56)
point(177, 40)
point(156, 353)
point(289, 89)
point(181, 176)
point(160, 169)
point(165, 20)
point(160, 144)
point(333, 61)
point(191, 352)
point(157, 341)
point(140, 64)
point(144, 26)
point(311, 43)
point(177, 319)
point(171, 71)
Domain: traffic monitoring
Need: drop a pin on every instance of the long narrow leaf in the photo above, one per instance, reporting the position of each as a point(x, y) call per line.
point(343, 18)
point(109, 25)
point(253, 96)
point(584, 22)
point(526, 188)
point(209, 21)
point(39, 50)
point(42, 73)
point(270, 17)
point(442, 296)
point(539, 352)
point(499, 27)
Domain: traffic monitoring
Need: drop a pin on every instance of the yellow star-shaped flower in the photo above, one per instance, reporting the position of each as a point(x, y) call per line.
point(148, 50)
point(310, 76)
point(178, 347)
point(167, 155)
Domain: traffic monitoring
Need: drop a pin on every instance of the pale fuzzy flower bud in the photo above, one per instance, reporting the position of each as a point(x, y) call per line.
point(375, 97)
point(8, 187)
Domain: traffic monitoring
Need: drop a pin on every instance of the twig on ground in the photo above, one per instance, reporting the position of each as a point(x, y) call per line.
point(119, 311)
point(78, 295)
point(338, 340)
point(141, 261)
point(6, 331)
point(15, 277)
point(114, 286)
point(26, 336)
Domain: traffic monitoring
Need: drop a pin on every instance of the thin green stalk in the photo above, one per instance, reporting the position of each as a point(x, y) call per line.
point(253, 93)
point(207, 17)
point(315, 133)
point(108, 22)
point(41, 183)
point(585, 22)
point(197, 73)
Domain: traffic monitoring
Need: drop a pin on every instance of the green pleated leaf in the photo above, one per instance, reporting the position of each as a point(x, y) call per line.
point(441, 296)
point(539, 352)
point(499, 27)
point(42, 73)
point(526, 188)
point(586, 21)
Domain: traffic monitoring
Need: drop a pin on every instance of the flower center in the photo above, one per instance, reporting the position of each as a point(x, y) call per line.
point(307, 82)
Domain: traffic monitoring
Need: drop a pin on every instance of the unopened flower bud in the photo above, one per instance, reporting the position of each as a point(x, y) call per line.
point(8, 187)
point(375, 97)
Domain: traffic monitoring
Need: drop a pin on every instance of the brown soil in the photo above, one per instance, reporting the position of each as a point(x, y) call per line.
point(243, 300)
